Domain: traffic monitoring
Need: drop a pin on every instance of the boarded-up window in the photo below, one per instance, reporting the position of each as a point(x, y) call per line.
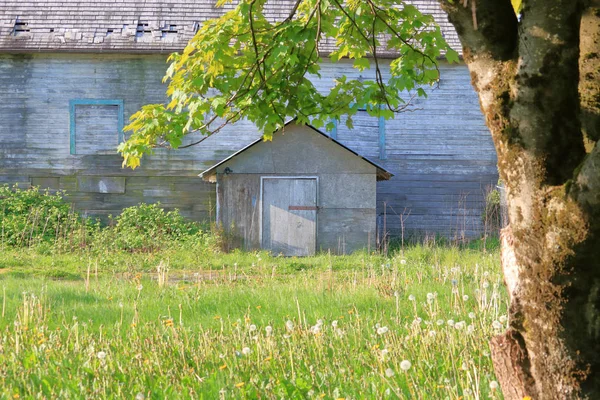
point(96, 126)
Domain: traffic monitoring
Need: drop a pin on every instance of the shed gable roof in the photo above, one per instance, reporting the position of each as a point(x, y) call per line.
point(209, 174)
point(133, 25)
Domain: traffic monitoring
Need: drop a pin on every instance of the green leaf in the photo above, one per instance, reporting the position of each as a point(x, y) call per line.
point(452, 56)
point(361, 64)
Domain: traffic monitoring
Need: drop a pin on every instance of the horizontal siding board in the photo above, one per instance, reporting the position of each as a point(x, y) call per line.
point(440, 151)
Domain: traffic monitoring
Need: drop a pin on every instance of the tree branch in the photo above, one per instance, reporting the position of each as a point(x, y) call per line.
point(496, 30)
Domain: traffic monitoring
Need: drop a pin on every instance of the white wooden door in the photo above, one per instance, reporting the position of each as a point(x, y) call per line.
point(289, 215)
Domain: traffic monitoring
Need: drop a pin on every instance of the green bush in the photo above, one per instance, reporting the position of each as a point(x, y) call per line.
point(491, 216)
point(147, 227)
point(31, 217)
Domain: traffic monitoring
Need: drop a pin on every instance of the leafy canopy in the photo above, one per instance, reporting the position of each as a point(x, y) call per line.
point(244, 65)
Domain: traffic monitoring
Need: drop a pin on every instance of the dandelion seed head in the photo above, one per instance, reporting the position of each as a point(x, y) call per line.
point(405, 365)
point(403, 261)
point(497, 325)
point(252, 328)
point(269, 329)
point(486, 285)
point(382, 330)
point(465, 297)
point(450, 322)
point(334, 324)
point(502, 319)
point(101, 355)
point(440, 322)
point(140, 287)
point(412, 297)
point(246, 351)
point(389, 372)
point(493, 385)
point(472, 315)
point(289, 325)
point(139, 396)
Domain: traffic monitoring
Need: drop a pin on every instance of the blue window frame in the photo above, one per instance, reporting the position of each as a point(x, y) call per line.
point(93, 102)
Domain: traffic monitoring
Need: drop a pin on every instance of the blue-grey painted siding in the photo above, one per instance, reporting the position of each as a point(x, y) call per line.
point(441, 153)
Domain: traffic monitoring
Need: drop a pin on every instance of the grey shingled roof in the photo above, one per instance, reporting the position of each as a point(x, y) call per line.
point(130, 25)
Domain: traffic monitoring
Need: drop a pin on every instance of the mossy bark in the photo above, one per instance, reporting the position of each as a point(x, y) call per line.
point(527, 74)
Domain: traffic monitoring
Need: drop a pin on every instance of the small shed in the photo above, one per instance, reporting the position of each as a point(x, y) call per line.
point(299, 193)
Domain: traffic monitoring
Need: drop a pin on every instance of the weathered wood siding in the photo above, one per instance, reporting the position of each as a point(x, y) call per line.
point(441, 153)
point(346, 193)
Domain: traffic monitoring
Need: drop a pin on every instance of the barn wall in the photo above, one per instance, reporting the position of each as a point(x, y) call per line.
point(441, 153)
point(346, 194)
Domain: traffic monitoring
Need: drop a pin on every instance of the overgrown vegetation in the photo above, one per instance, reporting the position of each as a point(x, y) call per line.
point(45, 221)
point(360, 326)
point(150, 307)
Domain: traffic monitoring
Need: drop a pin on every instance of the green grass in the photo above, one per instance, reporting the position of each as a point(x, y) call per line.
point(69, 332)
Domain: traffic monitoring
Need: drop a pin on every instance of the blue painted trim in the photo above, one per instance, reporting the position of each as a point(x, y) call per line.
point(382, 152)
point(94, 102)
point(333, 133)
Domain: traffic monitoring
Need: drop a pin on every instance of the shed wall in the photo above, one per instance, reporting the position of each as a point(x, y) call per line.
point(441, 153)
point(346, 194)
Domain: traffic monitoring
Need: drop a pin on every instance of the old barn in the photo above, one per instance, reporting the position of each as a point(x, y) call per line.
point(72, 72)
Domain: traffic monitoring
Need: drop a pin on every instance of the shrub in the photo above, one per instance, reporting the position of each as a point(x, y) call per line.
point(491, 216)
point(147, 227)
point(31, 217)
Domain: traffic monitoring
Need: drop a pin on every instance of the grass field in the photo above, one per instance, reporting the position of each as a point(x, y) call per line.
point(248, 325)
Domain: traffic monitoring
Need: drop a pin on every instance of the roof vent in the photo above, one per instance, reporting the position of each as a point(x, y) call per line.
point(169, 31)
point(142, 29)
point(20, 27)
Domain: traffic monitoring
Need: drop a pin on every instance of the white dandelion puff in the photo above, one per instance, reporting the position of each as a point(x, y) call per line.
point(246, 351)
point(411, 297)
point(389, 372)
point(382, 330)
point(101, 355)
point(465, 297)
point(405, 365)
point(289, 325)
point(493, 385)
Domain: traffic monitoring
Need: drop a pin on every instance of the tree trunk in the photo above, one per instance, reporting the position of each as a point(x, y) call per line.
point(527, 74)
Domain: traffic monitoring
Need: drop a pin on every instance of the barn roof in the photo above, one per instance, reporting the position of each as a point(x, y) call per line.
point(146, 26)
point(382, 173)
